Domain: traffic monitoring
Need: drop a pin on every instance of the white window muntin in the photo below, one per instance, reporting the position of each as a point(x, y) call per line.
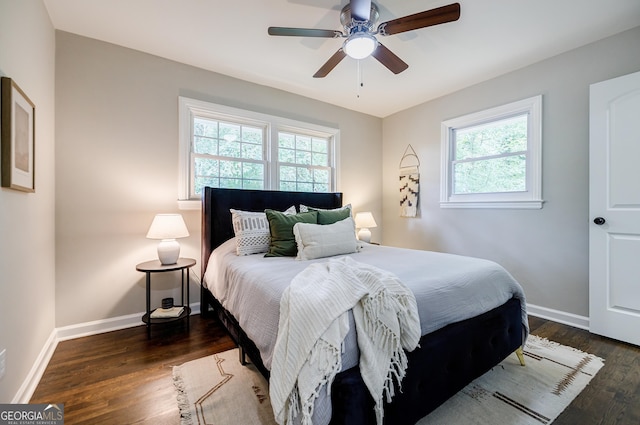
point(240, 160)
point(529, 198)
point(329, 168)
point(188, 108)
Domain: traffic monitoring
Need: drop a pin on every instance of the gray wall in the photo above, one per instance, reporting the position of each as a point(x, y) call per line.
point(117, 166)
point(78, 238)
point(547, 249)
point(27, 256)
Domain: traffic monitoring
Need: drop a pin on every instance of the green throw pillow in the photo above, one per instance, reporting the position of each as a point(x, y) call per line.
point(283, 242)
point(332, 216)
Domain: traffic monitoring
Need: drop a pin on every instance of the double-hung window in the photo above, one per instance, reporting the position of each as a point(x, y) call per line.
point(304, 161)
point(228, 147)
point(492, 158)
point(227, 153)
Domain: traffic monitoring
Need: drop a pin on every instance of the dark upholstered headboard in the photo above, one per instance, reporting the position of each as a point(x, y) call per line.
point(216, 218)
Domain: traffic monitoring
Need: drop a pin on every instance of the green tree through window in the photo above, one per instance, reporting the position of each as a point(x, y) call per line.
point(228, 147)
point(491, 157)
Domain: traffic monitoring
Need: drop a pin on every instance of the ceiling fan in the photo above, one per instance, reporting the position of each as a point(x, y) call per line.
point(358, 19)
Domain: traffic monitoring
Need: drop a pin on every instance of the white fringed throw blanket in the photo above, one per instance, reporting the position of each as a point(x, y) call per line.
point(314, 321)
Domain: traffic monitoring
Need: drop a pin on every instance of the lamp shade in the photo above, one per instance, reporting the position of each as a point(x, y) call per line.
point(365, 220)
point(167, 226)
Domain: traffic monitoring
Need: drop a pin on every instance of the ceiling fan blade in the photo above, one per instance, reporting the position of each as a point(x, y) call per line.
point(303, 32)
point(389, 59)
point(330, 64)
point(424, 19)
point(361, 10)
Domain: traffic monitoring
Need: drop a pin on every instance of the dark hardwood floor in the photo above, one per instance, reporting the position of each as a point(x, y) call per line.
point(613, 396)
point(123, 378)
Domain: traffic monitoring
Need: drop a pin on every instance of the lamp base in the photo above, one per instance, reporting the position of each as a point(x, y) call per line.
point(168, 251)
point(364, 235)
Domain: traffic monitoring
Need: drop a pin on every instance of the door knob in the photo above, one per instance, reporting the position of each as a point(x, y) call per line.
point(599, 221)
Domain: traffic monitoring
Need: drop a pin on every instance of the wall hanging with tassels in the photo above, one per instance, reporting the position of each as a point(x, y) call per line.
point(409, 183)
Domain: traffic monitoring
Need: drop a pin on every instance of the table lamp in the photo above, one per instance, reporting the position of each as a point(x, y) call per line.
point(168, 227)
point(364, 220)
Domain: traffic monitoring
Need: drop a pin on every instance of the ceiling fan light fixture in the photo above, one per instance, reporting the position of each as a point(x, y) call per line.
point(360, 45)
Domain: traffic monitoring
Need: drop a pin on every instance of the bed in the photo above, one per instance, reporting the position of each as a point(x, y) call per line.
point(447, 359)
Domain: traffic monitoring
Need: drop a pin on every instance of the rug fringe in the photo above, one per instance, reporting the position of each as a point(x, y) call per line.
point(183, 399)
point(544, 341)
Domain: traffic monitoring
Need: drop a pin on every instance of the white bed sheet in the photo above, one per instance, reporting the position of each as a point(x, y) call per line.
point(448, 288)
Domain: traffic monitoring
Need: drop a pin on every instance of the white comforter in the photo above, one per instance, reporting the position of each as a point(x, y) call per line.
point(448, 288)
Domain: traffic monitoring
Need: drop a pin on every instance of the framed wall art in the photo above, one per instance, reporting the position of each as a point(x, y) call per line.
point(17, 137)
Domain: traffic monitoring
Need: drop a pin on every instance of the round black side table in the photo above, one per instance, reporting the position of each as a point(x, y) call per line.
point(155, 266)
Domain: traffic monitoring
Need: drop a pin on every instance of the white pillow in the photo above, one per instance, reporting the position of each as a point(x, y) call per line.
point(305, 208)
point(252, 231)
point(317, 240)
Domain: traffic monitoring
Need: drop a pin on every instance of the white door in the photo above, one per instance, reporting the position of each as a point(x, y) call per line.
point(614, 203)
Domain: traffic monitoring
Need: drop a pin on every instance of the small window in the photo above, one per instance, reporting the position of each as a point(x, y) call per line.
point(492, 159)
point(228, 147)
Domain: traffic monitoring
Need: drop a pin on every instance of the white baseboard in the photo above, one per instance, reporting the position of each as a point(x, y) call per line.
point(99, 326)
point(128, 321)
point(107, 325)
point(37, 370)
point(570, 319)
point(70, 332)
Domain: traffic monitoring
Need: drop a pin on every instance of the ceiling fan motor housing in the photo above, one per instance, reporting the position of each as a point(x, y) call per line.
point(361, 41)
point(349, 23)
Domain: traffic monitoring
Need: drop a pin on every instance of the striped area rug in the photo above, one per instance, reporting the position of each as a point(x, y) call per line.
point(511, 394)
point(218, 390)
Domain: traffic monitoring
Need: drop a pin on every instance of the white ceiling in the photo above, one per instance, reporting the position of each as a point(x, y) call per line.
point(491, 37)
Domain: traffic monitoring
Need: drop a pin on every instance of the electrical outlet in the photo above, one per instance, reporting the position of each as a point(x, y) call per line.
point(3, 362)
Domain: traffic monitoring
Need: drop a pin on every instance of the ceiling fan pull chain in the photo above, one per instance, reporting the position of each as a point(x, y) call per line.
point(359, 83)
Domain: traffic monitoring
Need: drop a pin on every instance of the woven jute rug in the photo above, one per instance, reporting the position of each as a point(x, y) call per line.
point(218, 390)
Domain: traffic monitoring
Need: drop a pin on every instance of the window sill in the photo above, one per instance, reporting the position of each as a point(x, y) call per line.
point(189, 204)
point(527, 205)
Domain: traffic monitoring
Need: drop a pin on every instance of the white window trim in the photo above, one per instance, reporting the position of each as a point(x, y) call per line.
point(188, 106)
point(529, 199)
